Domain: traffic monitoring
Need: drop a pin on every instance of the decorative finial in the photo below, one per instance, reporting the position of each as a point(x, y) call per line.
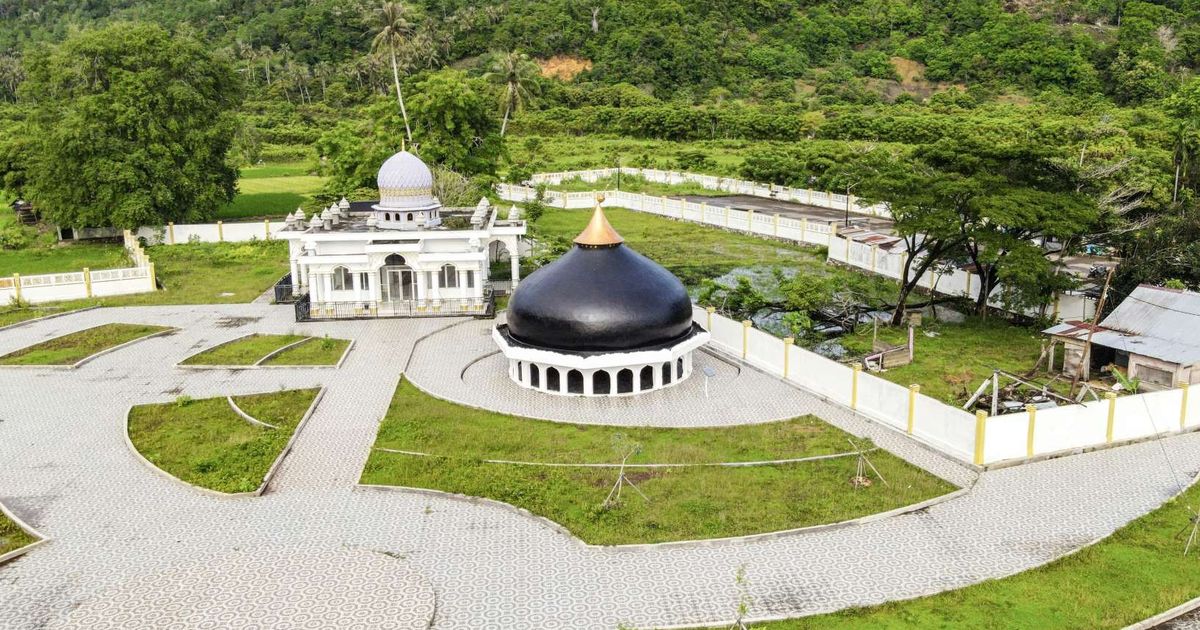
point(599, 198)
point(599, 232)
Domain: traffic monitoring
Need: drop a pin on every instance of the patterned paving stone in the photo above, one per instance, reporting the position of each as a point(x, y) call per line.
point(115, 524)
point(283, 589)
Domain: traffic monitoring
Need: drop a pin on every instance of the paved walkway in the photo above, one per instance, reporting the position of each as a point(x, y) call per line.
point(115, 524)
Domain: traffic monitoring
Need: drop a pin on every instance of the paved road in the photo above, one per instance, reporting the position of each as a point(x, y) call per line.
point(122, 533)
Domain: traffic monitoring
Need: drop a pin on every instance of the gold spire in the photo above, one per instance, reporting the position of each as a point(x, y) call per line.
point(598, 233)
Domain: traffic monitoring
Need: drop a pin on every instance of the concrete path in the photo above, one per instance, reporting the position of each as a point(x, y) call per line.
point(127, 542)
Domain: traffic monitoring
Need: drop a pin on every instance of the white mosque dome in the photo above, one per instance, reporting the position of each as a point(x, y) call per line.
point(405, 182)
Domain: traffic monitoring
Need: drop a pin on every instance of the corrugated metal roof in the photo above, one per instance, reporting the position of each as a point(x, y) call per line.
point(1153, 321)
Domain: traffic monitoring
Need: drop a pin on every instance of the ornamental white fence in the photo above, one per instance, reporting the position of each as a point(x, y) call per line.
point(976, 439)
point(817, 198)
point(86, 283)
point(846, 251)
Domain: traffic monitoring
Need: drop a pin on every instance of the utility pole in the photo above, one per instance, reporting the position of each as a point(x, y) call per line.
point(1087, 346)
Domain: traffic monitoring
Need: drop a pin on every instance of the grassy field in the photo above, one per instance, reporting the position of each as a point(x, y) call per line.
point(67, 257)
point(13, 314)
point(205, 443)
point(561, 153)
point(12, 536)
point(684, 503)
point(635, 184)
point(249, 350)
point(315, 351)
point(271, 191)
point(244, 351)
point(72, 348)
point(952, 364)
point(690, 250)
point(1137, 572)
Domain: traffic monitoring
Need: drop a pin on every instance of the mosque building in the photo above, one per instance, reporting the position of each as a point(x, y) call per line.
point(602, 320)
point(403, 256)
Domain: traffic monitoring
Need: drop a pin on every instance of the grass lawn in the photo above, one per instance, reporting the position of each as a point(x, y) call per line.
point(315, 351)
point(1137, 572)
point(205, 443)
point(72, 348)
point(689, 250)
point(244, 351)
point(685, 503)
point(951, 365)
point(12, 315)
point(64, 258)
point(271, 191)
point(12, 536)
point(636, 184)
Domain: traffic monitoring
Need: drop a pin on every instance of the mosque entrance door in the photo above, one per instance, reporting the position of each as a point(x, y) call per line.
point(399, 284)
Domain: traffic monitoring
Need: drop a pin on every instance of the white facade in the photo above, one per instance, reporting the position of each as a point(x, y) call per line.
point(399, 258)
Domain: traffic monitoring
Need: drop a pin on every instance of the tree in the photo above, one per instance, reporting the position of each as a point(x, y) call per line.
point(455, 123)
point(129, 125)
point(1183, 108)
point(392, 30)
point(518, 75)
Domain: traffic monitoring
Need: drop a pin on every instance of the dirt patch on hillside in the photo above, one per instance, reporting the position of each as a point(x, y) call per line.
point(563, 67)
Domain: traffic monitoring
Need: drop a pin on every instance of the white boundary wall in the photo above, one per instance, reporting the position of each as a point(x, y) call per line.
point(86, 283)
point(949, 429)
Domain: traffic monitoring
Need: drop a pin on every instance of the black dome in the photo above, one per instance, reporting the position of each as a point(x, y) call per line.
point(600, 298)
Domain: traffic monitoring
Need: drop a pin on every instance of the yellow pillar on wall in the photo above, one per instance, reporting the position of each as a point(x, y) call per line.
point(153, 277)
point(1032, 411)
point(746, 324)
point(17, 286)
point(220, 231)
point(710, 311)
point(1112, 415)
point(87, 282)
point(913, 390)
point(750, 221)
point(1183, 406)
point(969, 274)
point(726, 216)
point(856, 370)
point(267, 229)
point(980, 435)
point(171, 232)
point(810, 196)
point(787, 353)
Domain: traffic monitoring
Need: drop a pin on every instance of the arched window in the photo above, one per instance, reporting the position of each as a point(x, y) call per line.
point(552, 383)
point(601, 382)
point(679, 367)
point(448, 277)
point(534, 378)
point(646, 378)
point(666, 373)
point(394, 260)
point(520, 371)
point(575, 382)
point(625, 381)
point(342, 281)
point(409, 217)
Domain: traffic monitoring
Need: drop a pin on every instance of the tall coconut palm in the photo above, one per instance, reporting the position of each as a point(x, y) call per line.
point(519, 76)
point(393, 28)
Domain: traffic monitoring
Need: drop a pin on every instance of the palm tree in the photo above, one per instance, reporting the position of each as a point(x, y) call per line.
point(519, 76)
point(392, 30)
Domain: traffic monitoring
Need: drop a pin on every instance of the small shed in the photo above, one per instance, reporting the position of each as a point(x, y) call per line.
point(1153, 334)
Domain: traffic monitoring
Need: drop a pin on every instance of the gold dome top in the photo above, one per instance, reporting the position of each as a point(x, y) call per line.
point(598, 233)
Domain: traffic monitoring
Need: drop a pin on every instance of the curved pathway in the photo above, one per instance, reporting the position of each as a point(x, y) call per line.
point(114, 522)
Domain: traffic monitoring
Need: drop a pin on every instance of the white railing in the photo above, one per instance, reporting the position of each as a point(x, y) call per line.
point(951, 430)
point(816, 198)
point(54, 287)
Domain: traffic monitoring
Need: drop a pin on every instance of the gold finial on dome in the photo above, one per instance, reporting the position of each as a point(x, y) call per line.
point(598, 233)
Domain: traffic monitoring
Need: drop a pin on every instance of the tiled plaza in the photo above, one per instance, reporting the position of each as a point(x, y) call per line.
point(130, 548)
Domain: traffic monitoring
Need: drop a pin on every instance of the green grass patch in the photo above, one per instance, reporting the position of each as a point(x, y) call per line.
point(271, 191)
point(315, 351)
point(62, 258)
point(205, 443)
point(72, 348)
point(12, 537)
point(684, 503)
point(258, 206)
point(244, 351)
point(952, 364)
point(636, 184)
point(15, 314)
point(279, 169)
point(1134, 574)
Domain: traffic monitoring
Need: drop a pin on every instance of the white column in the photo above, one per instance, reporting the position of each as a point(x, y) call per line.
point(327, 286)
point(373, 285)
point(295, 277)
point(314, 286)
point(462, 282)
point(587, 382)
point(514, 259)
point(435, 286)
point(658, 380)
point(422, 280)
point(303, 277)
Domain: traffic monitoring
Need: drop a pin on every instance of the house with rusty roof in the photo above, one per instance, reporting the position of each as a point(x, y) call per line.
point(1153, 335)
